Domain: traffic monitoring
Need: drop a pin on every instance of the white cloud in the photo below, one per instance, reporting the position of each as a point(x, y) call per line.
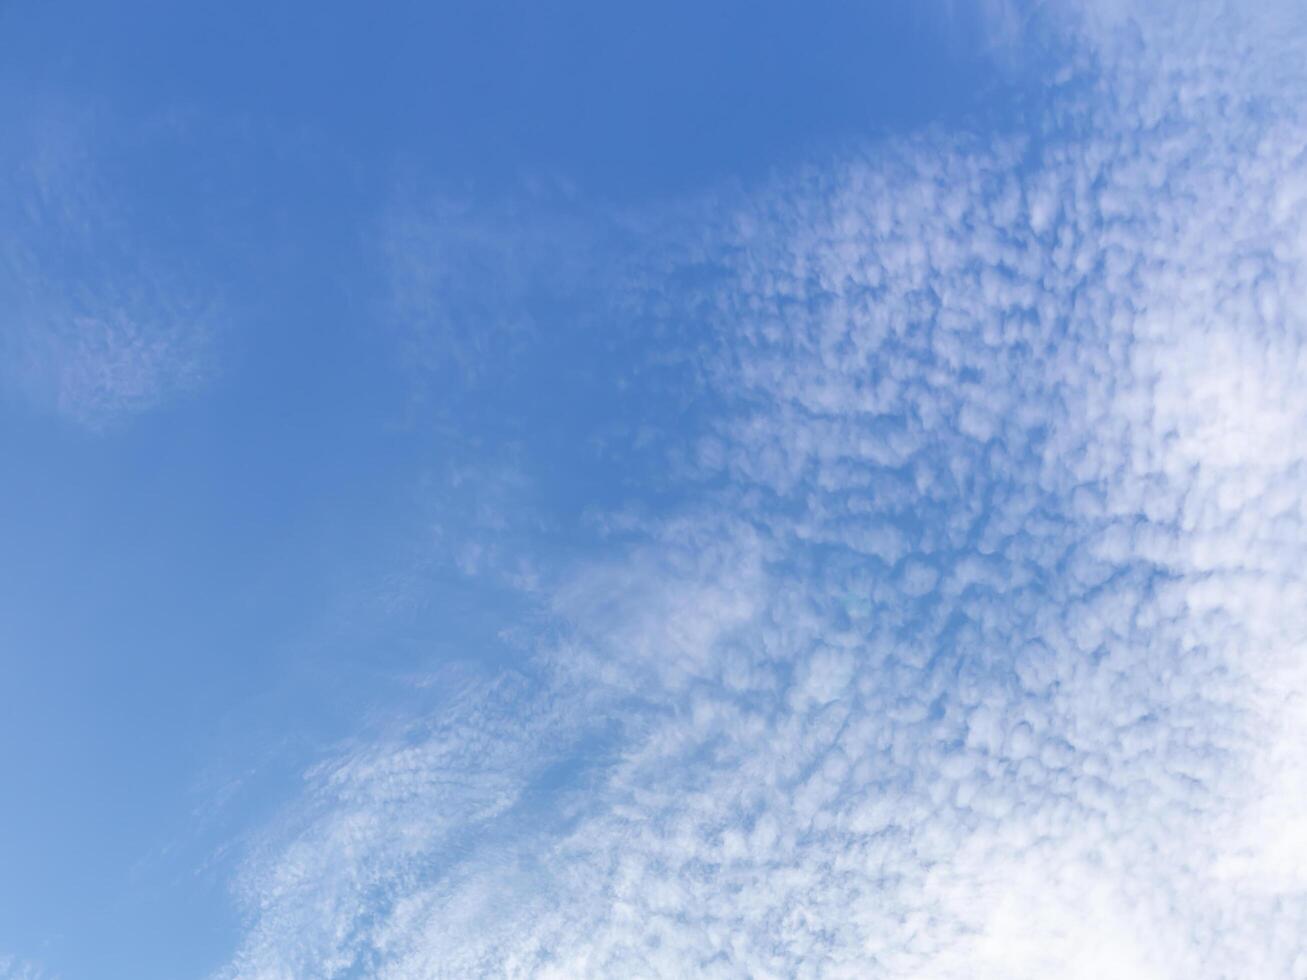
point(981, 653)
point(16, 969)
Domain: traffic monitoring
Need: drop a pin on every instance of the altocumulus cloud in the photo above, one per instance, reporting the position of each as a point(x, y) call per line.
point(981, 653)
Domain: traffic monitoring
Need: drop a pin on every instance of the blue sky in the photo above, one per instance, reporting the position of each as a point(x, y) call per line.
point(733, 490)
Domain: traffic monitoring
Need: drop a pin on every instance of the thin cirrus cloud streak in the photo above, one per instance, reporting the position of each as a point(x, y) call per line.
point(981, 653)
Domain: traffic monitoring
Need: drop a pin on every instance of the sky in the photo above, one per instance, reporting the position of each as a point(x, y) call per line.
point(697, 490)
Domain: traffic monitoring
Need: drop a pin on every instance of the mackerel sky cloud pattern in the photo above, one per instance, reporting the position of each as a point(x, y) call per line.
point(888, 562)
point(979, 653)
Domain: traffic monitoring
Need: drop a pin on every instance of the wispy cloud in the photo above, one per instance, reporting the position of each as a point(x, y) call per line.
point(466, 281)
point(96, 327)
point(15, 969)
point(980, 652)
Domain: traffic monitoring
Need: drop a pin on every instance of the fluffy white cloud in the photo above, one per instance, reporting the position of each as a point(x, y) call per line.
point(981, 654)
